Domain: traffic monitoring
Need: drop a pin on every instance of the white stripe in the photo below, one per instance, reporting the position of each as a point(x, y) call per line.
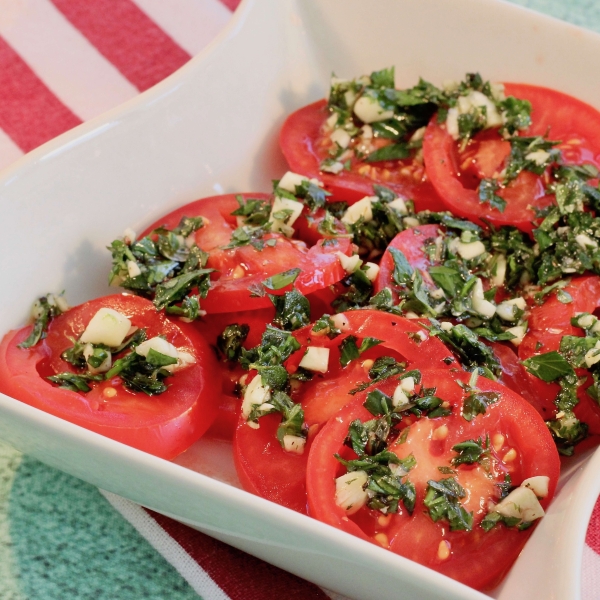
point(191, 23)
point(590, 569)
point(9, 151)
point(63, 58)
point(163, 543)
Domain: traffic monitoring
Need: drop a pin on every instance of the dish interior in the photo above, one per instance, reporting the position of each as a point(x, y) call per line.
point(212, 128)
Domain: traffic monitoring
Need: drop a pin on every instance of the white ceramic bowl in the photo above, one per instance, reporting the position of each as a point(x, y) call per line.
point(211, 128)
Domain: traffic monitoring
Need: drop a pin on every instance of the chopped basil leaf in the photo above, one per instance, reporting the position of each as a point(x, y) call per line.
point(281, 280)
point(487, 193)
point(442, 502)
point(44, 310)
point(549, 366)
point(75, 382)
point(324, 325)
point(230, 340)
point(158, 359)
point(292, 310)
point(349, 351)
point(358, 293)
point(391, 152)
point(470, 452)
point(403, 271)
point(476, 403)
point(254, 212)
point(378, 403)
point(164, 267)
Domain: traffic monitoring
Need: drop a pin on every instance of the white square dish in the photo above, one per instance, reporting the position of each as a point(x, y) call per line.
point(212, 128)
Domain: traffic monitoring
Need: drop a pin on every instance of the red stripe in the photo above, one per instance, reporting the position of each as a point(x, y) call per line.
point(592, 538)
point(30, 114)
point(231, 4)
point(126, 37)
point(239, 575)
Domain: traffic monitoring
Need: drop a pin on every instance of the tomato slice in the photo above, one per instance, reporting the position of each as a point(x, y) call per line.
point(211, 328)
point(410, 242)
point(477, 558)
point(163, 425)
point(305, 147)
point(265, 468)
point(404, 339)
point(548, 324)
point(456, 175)
point(269, 471)
point(240, 269)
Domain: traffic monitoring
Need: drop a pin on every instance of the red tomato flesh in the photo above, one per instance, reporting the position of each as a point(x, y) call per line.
point(476, 558)
point(456, 176)
point(305, 146)
point(163, 425)
point(267, 470)
point(239, 269)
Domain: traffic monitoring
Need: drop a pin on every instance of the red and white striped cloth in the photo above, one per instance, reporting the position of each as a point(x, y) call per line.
point(63, 62)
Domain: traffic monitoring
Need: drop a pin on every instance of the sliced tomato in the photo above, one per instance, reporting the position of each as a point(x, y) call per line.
point(476, 558)
point(239, 270)
point(211, 327)
point(269, 471)
point(164, 424)
point(410, 242)
point(548, 324)
point(404, 339)
point(308, 227)
point(265, 468)
point(456, 175)
point(305, 146)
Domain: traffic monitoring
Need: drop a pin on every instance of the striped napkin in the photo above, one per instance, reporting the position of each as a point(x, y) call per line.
point(63, 62)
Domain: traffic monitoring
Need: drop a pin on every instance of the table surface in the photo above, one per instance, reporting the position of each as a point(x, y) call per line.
point(63, 62)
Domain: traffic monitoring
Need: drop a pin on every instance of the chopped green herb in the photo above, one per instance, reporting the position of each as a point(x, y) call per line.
point(281, 280)
point(549, 366)
point(44, 310)
point(442, 501)
point(349, 351)
point(230, 340)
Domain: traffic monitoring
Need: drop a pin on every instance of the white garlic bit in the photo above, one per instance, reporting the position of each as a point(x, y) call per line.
point(538, 485)
point(350, 492)
point(522, 504)
point(294, 444)
point(108, 327)
point(315, 359)
point(256, 394)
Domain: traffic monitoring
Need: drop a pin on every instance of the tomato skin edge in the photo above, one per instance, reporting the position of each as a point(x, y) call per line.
point(323, 468)
point(165, 437)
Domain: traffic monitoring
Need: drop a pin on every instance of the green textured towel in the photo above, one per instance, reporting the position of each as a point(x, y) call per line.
point(585, 13)
point(60, 539)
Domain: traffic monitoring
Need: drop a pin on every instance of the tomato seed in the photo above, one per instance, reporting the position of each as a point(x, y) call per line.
point(238, 272)
point(109, 392)
point(510, 455)
point(441, 433)
point(382, 540)
point(384, 520)
point(497, 441)
point(444, 550)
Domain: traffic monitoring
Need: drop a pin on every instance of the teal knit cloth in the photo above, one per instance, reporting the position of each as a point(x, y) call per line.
point(585, 13)
point(61, 540)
